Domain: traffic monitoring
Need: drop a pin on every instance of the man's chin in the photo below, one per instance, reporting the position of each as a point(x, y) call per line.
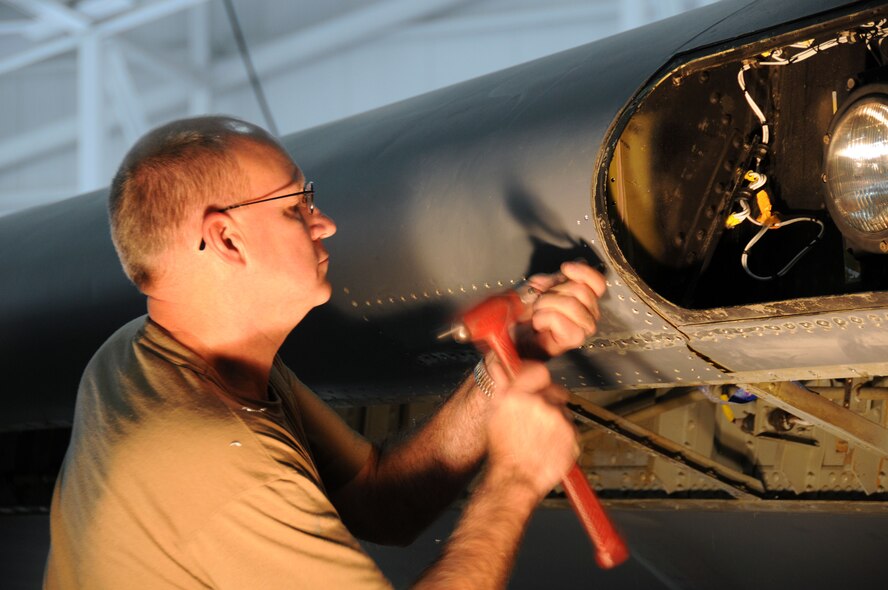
point(325, 292)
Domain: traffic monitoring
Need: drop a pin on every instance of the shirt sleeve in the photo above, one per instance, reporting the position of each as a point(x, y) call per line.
point(283, 534)
point(340, 453)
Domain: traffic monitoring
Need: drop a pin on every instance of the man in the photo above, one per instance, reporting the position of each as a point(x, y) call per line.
point(198, 460)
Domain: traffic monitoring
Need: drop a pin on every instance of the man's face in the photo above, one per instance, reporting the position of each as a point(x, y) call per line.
point(287, 263)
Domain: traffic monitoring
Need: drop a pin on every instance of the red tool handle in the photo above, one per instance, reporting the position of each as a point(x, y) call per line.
point(610, 549)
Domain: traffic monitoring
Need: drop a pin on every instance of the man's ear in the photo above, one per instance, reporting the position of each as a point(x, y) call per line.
point(221, 237)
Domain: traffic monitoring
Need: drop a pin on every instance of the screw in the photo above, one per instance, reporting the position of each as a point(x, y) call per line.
point(883, 245)
point(851, 83)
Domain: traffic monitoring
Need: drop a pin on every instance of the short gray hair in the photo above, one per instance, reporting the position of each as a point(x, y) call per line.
point(173, 170)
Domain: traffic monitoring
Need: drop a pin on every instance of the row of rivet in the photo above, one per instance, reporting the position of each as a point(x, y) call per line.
point(809, 326)
point(430, 294)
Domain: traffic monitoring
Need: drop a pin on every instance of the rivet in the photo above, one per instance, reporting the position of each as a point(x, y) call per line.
point(235, 443)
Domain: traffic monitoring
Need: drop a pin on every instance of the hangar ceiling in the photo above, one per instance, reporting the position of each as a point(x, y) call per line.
point(82, 79)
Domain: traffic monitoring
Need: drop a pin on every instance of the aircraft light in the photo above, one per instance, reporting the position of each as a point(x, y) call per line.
point(856, 172)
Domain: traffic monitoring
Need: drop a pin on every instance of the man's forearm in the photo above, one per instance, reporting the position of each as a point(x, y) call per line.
point(407, 484)
point(481, 552)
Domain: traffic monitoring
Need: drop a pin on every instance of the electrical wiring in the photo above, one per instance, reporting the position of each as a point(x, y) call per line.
point(756, 180)
point(868, 33)
point(741, 80)
point(764, 229)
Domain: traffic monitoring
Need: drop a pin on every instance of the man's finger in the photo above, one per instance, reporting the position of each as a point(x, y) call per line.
point(564, 333)
point(557, 395)
point(583, 273)
point(531, 378)
point(579, 291)
point(544, 282)
point(569, 307)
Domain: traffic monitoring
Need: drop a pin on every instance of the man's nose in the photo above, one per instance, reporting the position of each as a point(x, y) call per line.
point(321, 226)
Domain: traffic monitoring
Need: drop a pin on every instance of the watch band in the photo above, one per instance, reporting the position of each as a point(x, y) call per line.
point(483, 379)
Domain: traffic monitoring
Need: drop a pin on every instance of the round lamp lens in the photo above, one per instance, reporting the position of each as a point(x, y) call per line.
point(857, 166)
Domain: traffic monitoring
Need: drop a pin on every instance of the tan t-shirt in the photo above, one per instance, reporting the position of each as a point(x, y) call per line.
point(170, 482)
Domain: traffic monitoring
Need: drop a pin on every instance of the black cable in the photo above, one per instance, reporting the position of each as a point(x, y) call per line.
point(248, 63)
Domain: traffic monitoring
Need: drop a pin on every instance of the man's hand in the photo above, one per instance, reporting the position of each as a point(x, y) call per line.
point(566, 312)
point(532, 443)
point(532, 446)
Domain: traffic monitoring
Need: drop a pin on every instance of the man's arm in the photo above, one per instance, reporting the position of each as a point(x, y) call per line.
point(390, 495)
point(527, 417)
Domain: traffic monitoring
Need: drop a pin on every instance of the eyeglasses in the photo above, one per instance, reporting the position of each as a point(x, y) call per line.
point(308, 200)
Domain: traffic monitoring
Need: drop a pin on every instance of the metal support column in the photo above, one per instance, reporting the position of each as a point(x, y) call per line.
point(90, 126)
point(124, 95)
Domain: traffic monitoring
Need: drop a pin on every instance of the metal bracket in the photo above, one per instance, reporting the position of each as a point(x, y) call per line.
point(735, 483)
point(831, 417)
